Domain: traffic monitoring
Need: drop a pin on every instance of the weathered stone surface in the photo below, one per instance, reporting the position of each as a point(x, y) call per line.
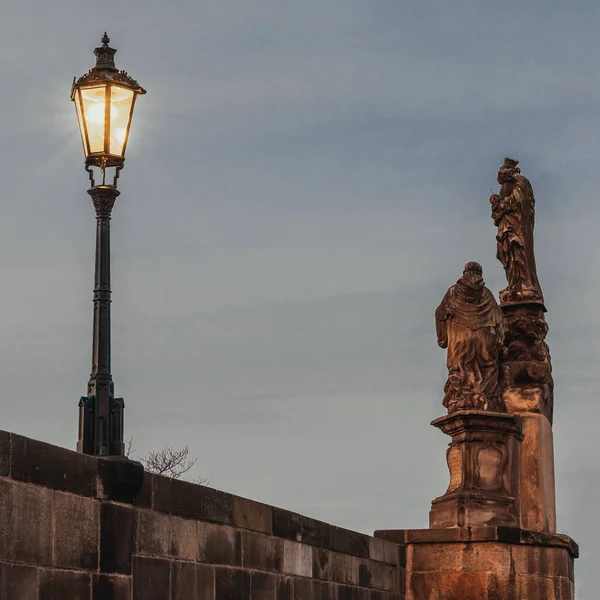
point(287, 525)
point(448, 586)
point(4, 453)
point(183, 538)
point(117, 536)
point(219, 545)
point(263, 586)
point(205, 582)
point(538, 503)
point(57, 585)
point(26, 518)
point(315, 533)
point(321, 568)
point(52, 467)
point(217, 506)
point(262, 552)
point(248, 514)
point(152, 532)
point(297, 559)
point(150, 578)
point(111, 587)
point(75, 532)
point(183, 581)
point(384, 551)
point(284, 589)
point(344, 568)
point(231, 584)
point(329, 591)
point(17, 582)
point(306, 589)
point(177, 497)
point(349, 542)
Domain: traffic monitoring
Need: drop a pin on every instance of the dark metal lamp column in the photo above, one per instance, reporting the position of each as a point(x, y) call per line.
point(104, 98)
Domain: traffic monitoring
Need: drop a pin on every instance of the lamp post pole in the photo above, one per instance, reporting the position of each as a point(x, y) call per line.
point(101, 414)
point(104, 98)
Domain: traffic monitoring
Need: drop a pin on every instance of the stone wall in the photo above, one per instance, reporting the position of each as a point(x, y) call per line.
point(76, 527)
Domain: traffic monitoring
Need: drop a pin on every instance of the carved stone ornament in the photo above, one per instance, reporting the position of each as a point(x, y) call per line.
point(513, 211)
point(469, 324)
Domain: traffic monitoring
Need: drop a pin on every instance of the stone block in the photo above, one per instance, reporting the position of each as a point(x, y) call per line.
point(297, 559)
point(470, 556)
point(219, 545)
point(306, 589)
point(117, 537)
point(248, 514)
point(344, 568)
point(533, 587)
point(541, 560)
point(367, 573)
point(321, 568)
point(152, 532)
point(315, 533)
point(285, 590)
point(205, 582)
point(4, 454)
point(52, 467)
point(538, 503)
point(177, 497)
point(111, 587)
point(183, 581)
point(231, 584)
point(448, 586)
point(217, 506)
point(58, 585)
point(349, 542)
point(150, 578)
point(26, 517)
point(262, 552)
point(183, 539)
point(75, 522)
point(263, 586)
point(329, 591)
point(383, 551)
point(17, 582)
point(287, 525)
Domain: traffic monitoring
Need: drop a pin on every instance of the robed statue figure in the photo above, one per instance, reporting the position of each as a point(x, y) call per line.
point(469, 323)
point(513, 211)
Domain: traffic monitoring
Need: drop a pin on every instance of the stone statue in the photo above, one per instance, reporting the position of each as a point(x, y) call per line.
point(469, 323)
point(513, 211)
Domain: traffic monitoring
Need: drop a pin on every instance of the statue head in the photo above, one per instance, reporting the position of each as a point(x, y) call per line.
point(473, 267)
point(508, 171)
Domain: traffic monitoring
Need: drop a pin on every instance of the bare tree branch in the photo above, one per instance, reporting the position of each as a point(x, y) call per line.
point(129, 449)
point(169, 461)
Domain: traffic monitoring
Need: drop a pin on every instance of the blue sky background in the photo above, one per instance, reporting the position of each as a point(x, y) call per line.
point(304, 181)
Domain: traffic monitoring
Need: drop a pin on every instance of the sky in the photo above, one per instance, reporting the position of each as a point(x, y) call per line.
point(304, 180)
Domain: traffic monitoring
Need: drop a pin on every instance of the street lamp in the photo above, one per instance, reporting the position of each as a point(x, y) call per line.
point(104, 98)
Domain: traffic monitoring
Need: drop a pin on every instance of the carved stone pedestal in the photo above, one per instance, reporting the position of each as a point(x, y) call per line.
point(529, 394)
point(493, 563)
point(484, 460)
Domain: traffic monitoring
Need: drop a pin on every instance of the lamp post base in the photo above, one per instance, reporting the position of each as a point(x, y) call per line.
point(101, 427)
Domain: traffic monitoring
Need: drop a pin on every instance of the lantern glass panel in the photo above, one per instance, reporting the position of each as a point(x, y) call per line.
point(120, 114)
point(94, 112)
point(81, 122)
